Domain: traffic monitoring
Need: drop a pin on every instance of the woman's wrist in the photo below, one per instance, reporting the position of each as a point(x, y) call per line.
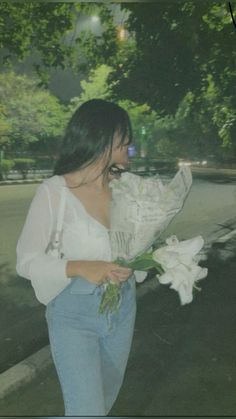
point(74, 268)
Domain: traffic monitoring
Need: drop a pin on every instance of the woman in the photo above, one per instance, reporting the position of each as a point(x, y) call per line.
point(90, 355)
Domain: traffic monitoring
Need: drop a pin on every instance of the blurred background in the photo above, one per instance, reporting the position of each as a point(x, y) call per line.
point(170, 64)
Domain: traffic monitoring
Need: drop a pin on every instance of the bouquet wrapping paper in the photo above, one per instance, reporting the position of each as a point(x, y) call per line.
point(142, 208)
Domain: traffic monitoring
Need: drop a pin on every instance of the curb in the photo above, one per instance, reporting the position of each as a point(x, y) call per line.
point(213, 171)
point(226, 237)
point(23, 372)
point(20, 182)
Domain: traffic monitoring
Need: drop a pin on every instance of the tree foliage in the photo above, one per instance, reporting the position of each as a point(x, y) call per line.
point(171, 48)
point(40, 29)
point(98, 86)
point(143, 121)
point(30, 115)
point(175, 49)
point(95, 87)
point(179, 59)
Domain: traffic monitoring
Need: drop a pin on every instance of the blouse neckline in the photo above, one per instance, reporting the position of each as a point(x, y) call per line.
point(81, 204)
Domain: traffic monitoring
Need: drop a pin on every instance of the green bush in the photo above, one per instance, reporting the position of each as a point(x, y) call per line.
point(24, 165)
point(164, 165)
point(44, 163)
point(160, 165)
point(5, 167)
point(136, 163)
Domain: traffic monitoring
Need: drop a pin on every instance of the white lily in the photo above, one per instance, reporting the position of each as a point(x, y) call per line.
point(179, 260)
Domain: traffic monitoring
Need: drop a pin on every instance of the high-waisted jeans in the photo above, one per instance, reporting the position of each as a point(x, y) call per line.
point(90, 351)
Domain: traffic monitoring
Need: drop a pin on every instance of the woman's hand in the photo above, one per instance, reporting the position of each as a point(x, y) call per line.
point(98, 272)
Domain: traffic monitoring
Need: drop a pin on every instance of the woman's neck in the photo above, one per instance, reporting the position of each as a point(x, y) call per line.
point(89, 181)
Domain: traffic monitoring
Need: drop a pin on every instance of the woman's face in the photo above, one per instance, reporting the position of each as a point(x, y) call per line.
point(120, 153)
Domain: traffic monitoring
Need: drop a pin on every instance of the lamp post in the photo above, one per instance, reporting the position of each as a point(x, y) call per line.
point(1, 156)
point(143, 145)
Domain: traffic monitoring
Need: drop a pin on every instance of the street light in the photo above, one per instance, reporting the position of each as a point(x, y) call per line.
point(143, 145)
point(122, 33)
point(1, 156)
point(95, 19)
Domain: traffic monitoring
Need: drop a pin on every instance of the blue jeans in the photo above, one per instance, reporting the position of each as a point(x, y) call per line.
point(90, 353)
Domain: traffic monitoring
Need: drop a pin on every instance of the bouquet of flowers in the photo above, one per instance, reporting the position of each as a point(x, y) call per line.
point(141, 209)
point(176, 264)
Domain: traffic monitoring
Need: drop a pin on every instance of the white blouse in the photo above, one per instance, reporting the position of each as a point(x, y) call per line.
point(83, 238)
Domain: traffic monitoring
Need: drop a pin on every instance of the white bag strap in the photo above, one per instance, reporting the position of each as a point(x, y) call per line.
point(60, 217)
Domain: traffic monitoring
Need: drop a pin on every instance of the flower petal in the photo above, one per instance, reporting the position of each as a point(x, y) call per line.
point(182, 280)
point(140, 276)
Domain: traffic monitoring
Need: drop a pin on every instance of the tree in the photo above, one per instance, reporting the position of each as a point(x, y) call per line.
point(39, 28)
point(98, 86)
point(172, 49)
point(4, 125)
point(143, 121)
point(32, 117)
point(95, 87)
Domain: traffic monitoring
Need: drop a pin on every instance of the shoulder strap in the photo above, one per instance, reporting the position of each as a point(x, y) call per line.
point(60, 217)
point(61, 209)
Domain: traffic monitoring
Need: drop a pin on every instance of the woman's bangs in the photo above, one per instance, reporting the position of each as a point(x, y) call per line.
point(125, 132)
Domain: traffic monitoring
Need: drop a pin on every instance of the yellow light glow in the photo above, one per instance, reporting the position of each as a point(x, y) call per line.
point(122, 33)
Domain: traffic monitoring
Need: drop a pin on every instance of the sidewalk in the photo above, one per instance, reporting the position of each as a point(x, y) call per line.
point(182, 360)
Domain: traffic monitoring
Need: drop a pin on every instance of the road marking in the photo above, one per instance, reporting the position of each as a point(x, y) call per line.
point(226, 237)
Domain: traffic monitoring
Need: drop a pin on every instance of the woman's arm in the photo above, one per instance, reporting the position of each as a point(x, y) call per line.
point(47, 274)
point(97, 271)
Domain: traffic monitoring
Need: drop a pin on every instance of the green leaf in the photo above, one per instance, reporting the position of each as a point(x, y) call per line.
point(110, 299)
point(143, 262)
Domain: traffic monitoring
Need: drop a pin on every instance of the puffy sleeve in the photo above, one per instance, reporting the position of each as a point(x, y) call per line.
point(46, 273)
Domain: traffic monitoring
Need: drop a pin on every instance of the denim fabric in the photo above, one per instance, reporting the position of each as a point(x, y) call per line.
point(90, 353)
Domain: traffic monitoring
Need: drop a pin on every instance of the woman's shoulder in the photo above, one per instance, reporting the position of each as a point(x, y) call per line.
point(50, 187)
point(49, 190)
point(53, 182)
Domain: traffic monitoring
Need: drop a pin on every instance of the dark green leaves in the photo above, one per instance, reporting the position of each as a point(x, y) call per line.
point(143, 262)
point(110, 299)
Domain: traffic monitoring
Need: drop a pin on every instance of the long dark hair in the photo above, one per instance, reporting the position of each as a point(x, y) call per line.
point(89, 135)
